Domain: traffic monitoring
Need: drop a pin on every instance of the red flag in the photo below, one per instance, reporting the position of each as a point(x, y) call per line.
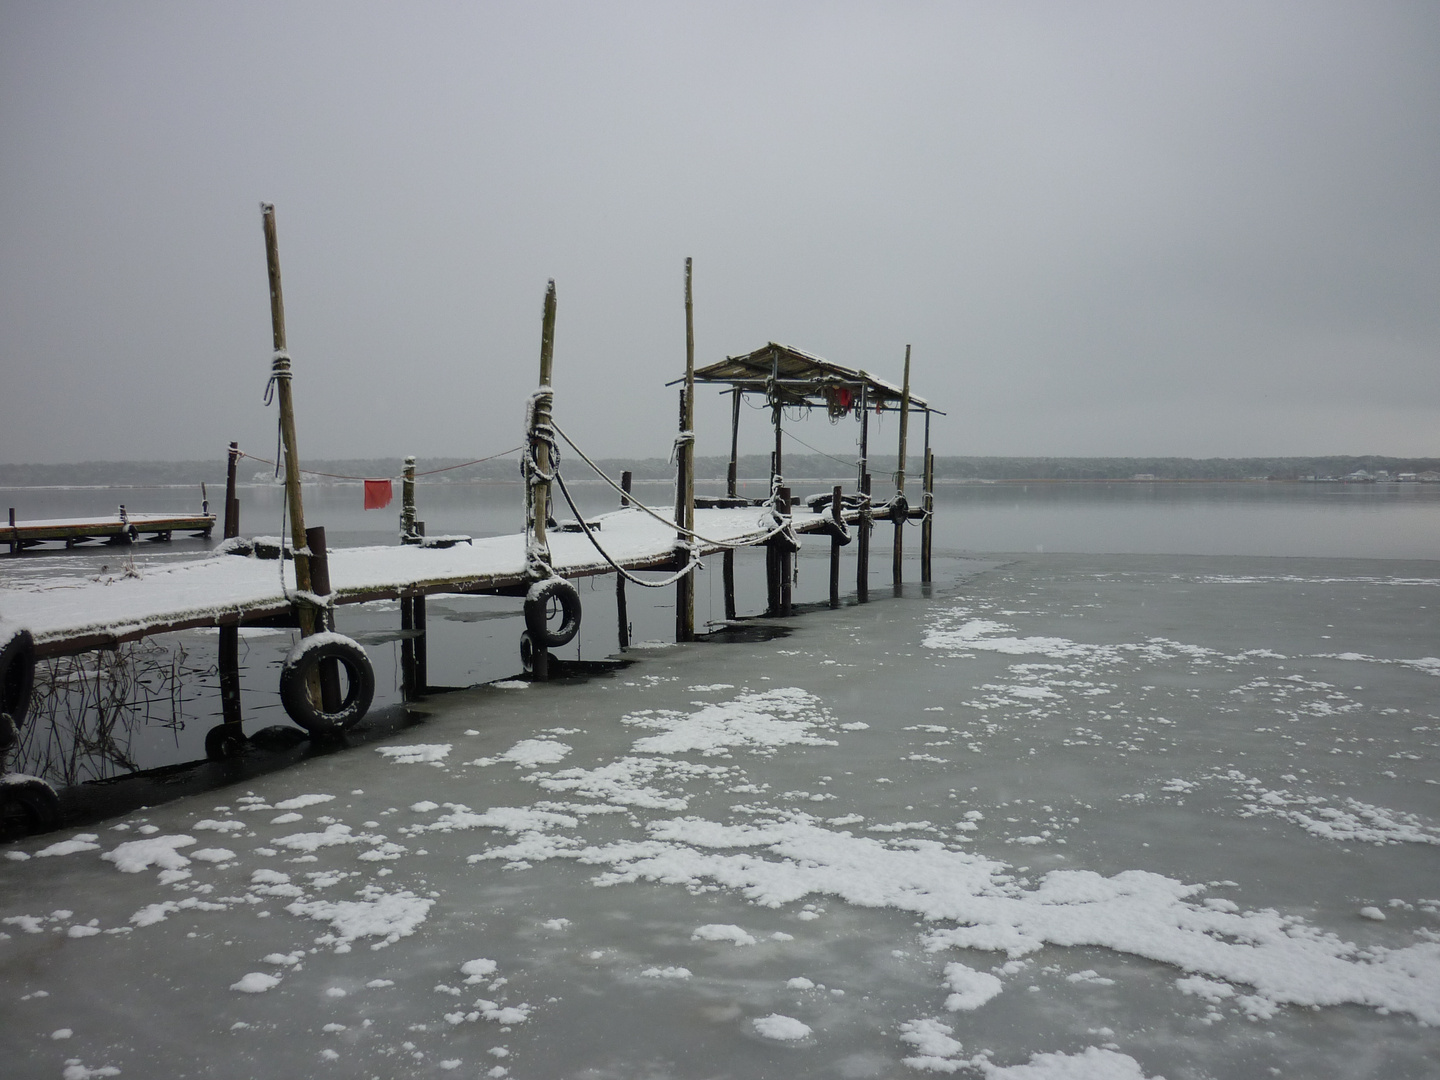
point(378, 494)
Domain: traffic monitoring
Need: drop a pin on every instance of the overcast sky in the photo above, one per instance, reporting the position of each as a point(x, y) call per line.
point(1106, 228)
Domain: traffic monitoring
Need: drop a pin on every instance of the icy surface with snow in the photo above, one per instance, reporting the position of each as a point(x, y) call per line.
point(1065, 819)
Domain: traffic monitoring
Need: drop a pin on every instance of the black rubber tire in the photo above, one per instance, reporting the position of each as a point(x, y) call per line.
point(28, 805)
point(899, 508)
point(537, 612)
point(295, 691)
point(527, 652)
point(838, 530)
point(225, 742)
point(17, 677)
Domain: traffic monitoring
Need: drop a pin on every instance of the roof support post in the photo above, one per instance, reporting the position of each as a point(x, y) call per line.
point(685, 487)
point(900, 512)
point(927, 523)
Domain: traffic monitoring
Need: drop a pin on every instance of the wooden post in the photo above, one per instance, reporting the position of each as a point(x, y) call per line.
point(537, 490)
point(837, 515)
point(900, 516)
point(417, 620)
point(727, 560)
point(232, 502)
point(408, 532)
point(14, 534)
point(280, 373)
point(927, 524)
point(685, 477)
point(687, 450)
point(229, 666)
point(862, 551)
point(329, 670)
point(777, 409)
point(622, 616)
point(407, 649)
point(786, 562)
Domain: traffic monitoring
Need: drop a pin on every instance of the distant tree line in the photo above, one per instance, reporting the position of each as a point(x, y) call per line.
point(797, 466)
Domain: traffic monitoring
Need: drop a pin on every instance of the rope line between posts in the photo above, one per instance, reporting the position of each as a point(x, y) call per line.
point(688, 568)
point(691, 533)
point(343, 476)
point(822, 453)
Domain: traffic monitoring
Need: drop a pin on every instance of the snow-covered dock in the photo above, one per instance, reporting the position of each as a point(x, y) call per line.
point(69, 616)
point(117, 528)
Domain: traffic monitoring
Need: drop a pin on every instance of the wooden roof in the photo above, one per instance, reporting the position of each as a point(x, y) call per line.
point(801, 378)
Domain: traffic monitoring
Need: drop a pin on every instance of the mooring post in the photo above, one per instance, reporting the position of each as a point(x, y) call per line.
point(232, 502)
point(900, 511)
point(862, 540)
point(837, 517)
point(621, 615)
point(786, 561)
point(537, 487)
point(417, 620)
point(727, 567)
point(14, 533)
point(330, 696)
point(408, 533)
point(685, 512)
point(927, 523)
point(229, 658)
point(407, 648)
point(280, 378)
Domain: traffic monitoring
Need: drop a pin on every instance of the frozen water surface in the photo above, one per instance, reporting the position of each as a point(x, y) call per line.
point(1060, 816)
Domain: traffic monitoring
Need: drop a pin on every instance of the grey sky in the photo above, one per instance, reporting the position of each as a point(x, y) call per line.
point(1106, 228)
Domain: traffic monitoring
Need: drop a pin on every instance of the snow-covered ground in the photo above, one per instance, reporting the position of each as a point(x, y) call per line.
point(1070, 817)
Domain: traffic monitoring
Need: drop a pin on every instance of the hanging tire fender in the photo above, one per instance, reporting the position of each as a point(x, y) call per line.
point(17, 677)
point(837, 530)
point(899, 508)
point(537, 608)
point(28, 805)
point(295, 673)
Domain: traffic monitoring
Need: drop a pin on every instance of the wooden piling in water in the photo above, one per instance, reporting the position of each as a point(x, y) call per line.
point(900, 513)
point(862, 542)
point(280, 374)
point(786, 561)
point(232, 501)
point(329, 669)
point(622, 616)
point(685, 487)
point(927, 523)
point(409, 534)
point(837, 516)
point(727, 567)
point(537, 489)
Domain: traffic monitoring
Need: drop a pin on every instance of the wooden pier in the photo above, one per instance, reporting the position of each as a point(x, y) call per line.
point(238, 586)
point(119, 528)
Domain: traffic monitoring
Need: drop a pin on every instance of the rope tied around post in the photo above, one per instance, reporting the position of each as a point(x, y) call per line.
point(682, 440)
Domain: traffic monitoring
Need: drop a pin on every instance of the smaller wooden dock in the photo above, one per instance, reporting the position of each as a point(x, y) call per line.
point(117, 528)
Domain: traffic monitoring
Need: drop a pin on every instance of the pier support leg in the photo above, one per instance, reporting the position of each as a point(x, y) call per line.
point(836, 511)
point(622, 614)
point(407, 649)
point(227, 740)
point(329, 670)
point(786, 561)
point(422, 668)
point(927, 524)
point(862, 551)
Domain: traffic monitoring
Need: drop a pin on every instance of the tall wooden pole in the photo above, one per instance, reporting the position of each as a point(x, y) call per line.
point(927, 524)
point(537, 498)
point(685, 493)
point(622, 616)
point(727, 561)
point(280, 372)
point(862, 550)
point(901, 512)
point(837, 502)
point(537, 489)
